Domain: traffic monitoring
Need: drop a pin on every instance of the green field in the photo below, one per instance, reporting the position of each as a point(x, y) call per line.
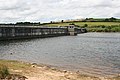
point(83, 23)
point(92, 26)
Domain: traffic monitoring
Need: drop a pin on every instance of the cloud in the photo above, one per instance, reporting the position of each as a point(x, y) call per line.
point(48, 10)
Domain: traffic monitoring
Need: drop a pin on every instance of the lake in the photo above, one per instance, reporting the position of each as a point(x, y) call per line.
point(89, 53)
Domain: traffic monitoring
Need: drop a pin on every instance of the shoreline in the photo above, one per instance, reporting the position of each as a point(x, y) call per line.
point(33, 71)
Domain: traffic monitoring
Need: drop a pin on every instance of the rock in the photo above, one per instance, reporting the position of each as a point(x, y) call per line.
point(78, 71)
point(64, 71)
point(15, 77)
point(46, 67)
point(71, 73)
point(53, 68)
point(33, 65)
point(18, 70)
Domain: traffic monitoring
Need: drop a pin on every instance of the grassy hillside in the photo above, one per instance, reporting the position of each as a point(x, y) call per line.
point(92, 26)
point(83, 23)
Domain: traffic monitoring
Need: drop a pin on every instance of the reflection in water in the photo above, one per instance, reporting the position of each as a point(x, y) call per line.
point(93, 53)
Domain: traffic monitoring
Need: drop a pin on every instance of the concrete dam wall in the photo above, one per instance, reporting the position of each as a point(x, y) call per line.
point(18, 32)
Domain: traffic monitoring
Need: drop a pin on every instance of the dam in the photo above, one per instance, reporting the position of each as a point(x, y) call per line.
point(21, 32)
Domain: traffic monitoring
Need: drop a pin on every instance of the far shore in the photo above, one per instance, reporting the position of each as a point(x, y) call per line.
point(33, 71)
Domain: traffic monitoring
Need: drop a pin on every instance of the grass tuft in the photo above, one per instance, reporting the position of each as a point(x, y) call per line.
point(3, 71)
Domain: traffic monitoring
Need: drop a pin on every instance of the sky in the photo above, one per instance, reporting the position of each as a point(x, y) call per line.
point(12, 11)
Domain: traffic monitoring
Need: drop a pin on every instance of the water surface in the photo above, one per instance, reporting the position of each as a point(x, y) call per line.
point(89, 53)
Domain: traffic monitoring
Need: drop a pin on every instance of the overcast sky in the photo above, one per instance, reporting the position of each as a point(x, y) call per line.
point(52, 10)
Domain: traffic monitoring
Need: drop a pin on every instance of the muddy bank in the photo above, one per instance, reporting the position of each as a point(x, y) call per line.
point(33, 71)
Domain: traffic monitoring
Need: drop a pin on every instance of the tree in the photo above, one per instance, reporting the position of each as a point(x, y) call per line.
point(85, 25)
point(51, 21)
point(106, 20)
point(112, 19)
point(62, 21)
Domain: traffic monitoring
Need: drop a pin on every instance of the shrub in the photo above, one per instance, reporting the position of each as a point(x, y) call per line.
point(3, 71)
point(85, 25)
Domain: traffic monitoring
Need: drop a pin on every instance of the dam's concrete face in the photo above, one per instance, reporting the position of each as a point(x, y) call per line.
point(15, 32)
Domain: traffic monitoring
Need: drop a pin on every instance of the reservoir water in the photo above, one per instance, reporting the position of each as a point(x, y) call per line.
point(89, 53)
